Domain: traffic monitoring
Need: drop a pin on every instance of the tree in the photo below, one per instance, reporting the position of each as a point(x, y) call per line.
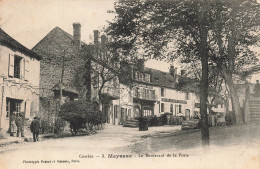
point(102, 71)
point(164, 29)
point(188, 30)
point(81, 114)
point(234, 32)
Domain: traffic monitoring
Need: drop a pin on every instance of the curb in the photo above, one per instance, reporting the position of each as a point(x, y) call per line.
point(11, 142)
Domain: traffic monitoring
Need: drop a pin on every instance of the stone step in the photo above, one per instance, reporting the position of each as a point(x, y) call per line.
point(254, 116)
point(131, 123)
point(255, 120)
point(254, 105)
point(254, 109)
point(127, 125)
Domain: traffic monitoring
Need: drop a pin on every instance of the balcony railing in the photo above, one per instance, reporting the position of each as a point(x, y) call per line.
point(145, 95)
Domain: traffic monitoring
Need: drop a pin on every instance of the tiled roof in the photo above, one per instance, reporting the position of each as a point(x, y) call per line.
point(8, 41)
point(160, 78)
point(65, 88)
point(165, 79)
point(55, 31)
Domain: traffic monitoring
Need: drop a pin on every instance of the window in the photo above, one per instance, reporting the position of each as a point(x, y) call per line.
point(216, 105)
point(129, 112)
point(147, 94)
point(222, 105)
point(171, 109)
point(17, 67)
point(152, 93)
point(147, 112)
point(18, 107)
point(147, 77)
point(180, 109)
point(7, 108)
point(115, 111)
point(162, 92)
point(141, 77)
point(137, 74)
point(187, 96)
point(137, 92)
point(162, 107)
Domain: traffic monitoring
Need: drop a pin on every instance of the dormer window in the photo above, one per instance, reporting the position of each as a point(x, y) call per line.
point(162, 92)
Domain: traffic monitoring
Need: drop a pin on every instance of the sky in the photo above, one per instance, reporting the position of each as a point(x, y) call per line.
point(28, 21)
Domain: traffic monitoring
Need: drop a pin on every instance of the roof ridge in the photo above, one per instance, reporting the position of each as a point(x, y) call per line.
point(13, 43)
point(53, 30)
point(56, 28)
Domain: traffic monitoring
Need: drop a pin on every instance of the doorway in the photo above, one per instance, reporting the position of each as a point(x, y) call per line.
point(13, 107)
point(187, 114)
point(106, 109)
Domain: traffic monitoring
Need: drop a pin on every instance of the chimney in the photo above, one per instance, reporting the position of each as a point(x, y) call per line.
point(96, 36)
point(76, 34)
point(172, 71)
point(103, 41)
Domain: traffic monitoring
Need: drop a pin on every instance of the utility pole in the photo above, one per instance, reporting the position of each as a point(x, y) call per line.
point(62, 75)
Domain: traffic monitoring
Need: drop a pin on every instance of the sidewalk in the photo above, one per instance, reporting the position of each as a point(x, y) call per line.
point(28, 138)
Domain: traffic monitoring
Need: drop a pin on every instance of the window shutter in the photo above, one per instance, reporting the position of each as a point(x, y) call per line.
point(142, 93)
point(11, 65)
point(22, 68)
point(153, 94)
point(26, 70)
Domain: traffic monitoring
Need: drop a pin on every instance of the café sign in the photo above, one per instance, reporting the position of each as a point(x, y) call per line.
point(174, 101)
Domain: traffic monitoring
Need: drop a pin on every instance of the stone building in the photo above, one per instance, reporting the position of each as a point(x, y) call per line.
point(65, 57)
point(19, 80)
point(61, 59)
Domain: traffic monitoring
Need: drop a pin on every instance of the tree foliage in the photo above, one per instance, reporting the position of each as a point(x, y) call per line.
point(216, 33)
point(81, 114)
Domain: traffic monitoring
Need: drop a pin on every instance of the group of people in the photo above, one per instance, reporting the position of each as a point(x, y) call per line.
point(17, 126)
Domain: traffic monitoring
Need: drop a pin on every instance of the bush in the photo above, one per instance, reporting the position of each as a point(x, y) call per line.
point(81, 114)
point(154, 121)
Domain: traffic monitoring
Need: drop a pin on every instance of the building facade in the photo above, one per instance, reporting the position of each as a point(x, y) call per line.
point(19, 80)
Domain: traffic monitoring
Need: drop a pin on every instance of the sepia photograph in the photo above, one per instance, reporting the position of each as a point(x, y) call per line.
point(129, 84)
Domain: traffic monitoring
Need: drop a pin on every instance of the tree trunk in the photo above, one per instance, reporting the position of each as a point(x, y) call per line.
point(88, 80)
point(234, 97)
point(247, 97)
point(204, 79)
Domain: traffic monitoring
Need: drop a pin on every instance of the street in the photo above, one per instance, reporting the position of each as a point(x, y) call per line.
point(118, 147)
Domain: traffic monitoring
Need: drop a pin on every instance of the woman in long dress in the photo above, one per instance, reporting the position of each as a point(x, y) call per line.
point(13, 125)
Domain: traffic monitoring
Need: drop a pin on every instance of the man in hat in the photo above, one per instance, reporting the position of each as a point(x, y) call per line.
point(35, 127)
point(20, 125)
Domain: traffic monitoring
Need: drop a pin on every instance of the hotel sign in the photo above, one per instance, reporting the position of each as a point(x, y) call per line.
point(174, 101)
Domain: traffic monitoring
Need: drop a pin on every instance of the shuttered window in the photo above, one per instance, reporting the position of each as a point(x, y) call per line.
point(26, 69)
point(11, 66)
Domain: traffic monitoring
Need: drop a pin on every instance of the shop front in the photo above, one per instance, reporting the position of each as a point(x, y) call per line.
point(143, 108)
point(17, 99)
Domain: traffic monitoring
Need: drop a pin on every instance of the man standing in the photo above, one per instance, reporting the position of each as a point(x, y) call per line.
point(35, 127)
point(19, 124)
